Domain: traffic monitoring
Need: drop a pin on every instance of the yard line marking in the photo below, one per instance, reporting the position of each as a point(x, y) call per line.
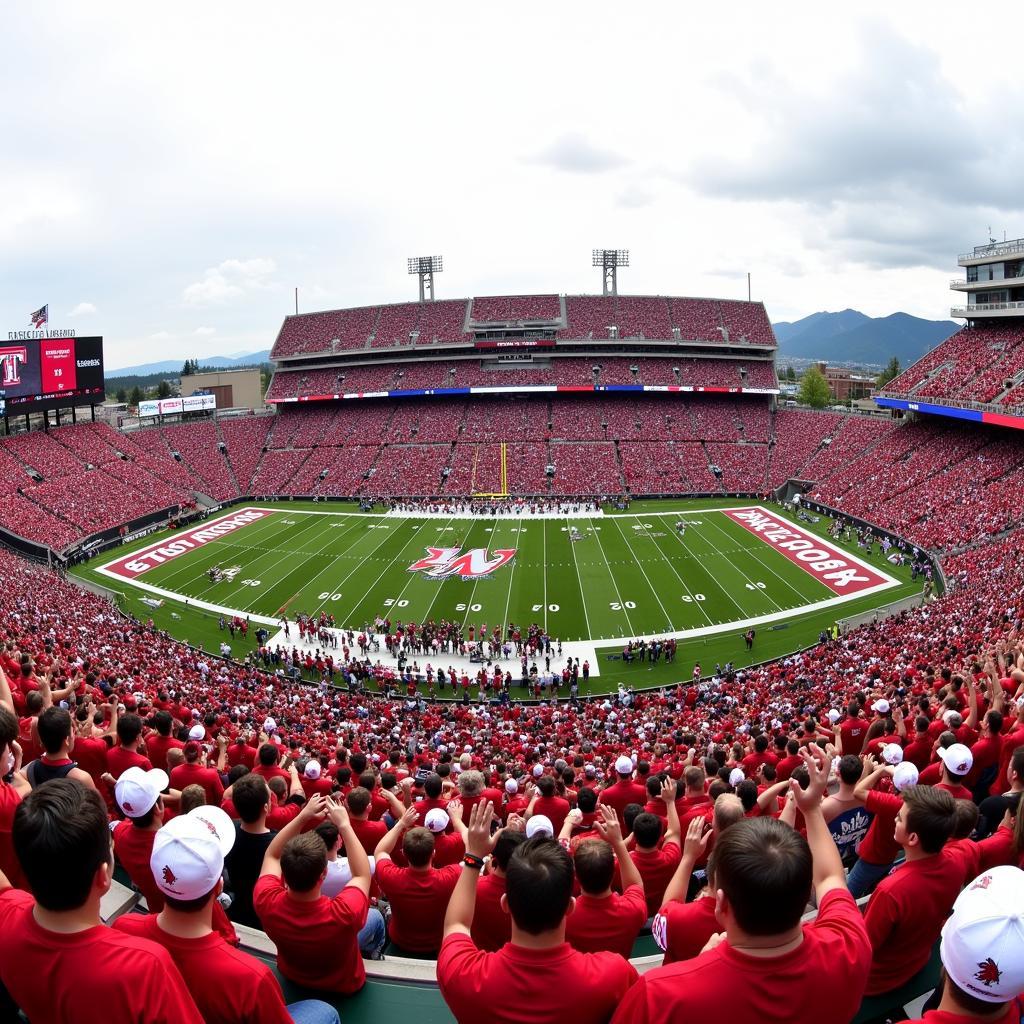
point(614, 582)
point(511, 577)
point(579, 580)
point(668, 618)
point(693, 555)
point(441, 583)
point(671, 565)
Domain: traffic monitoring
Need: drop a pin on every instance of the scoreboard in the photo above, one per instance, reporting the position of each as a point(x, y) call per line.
point(50, 373)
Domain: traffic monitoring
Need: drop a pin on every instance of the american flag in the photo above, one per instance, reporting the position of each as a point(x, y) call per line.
point(40, 316)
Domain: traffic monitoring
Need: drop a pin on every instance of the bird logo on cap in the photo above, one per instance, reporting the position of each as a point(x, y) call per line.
point(988, 972)
point(169, 876)
point(981, 883)
point(127, 807)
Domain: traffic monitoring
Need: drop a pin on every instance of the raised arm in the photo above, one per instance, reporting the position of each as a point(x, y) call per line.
point(827, 864)
point(459, 918)
point(387, 843)
point(6, 698)
point(315, 808)
point(358, 862)
point(668, 797)
point(694, 844)
point(608, 828)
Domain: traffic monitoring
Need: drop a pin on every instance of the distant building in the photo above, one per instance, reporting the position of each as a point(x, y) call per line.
point(845, 384)
point(234, 389)
point(994, 282)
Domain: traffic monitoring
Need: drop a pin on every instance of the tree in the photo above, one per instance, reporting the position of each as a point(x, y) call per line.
point(186, 370)
point(163, 390)
point(814, 389)
point(136, 396)
point(121, 395)
point(791, 374)
point(891, 372)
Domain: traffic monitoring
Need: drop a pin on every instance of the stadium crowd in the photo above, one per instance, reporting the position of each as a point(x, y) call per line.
point(348, 824)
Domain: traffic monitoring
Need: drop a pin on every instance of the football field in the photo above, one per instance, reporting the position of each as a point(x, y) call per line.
point(601, 578)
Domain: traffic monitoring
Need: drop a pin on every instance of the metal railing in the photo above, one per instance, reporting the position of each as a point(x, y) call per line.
point(984, 307)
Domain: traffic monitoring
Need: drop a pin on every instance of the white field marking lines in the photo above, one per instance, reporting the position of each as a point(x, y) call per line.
point(579, 580)
point(692, 554)
point(387, 535)
point(544, 573)
point(629, 547)
point(411, 576)
point(698, 604)
point(610, 573)
point(754, 554)
point(286, 554)
point(512, 576)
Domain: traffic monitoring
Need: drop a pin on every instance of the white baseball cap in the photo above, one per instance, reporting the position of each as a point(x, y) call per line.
point(137, 790)
point(538, 770)
point(197, 732)
point(957, 758)
point(188, 852)
point(736, 776)
point(436, 819)
point(269, 725)
point(540, 825)
point(983, 939)
point(892, 753)
point(834, 716)
point(906, 774)
point(312, 770)
point(881, 706)
point(511, 786)
point(624, 765)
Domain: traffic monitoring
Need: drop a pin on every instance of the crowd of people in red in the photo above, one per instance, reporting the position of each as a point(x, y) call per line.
point(719, 809)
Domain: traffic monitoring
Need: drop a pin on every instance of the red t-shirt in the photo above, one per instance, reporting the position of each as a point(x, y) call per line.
point(683, 929)
point(369, 833)
point(622, 794)
point(226, 984)
point(195, 774)
point(656, 868)
point(317, 940)
point(1013, 1015)
point(9, 800)
point(823, 978)
point(418, 901)
point(156, 750)
point(91, 755)
point(919, 751)
point(492, 927)
point(879, 846)
point(851, 735)
point(905, 915)
point(133, 847)
point(104, 976)
point(607, 923)
point(517, 985)
point(120, 760)
point(555, 808)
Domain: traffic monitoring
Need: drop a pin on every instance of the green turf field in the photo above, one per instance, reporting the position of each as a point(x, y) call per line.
point(629, 575)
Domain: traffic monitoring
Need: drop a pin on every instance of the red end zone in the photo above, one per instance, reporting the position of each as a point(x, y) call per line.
point(836, 569)
point(144, 559)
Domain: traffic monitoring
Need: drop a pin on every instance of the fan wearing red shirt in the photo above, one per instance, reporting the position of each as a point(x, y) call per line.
point(682, 929)
point(11, 794)
point(905, 913)
point(603, 920)
point(768, 966)
point(160, 741)
point(545, 802)
point(242, 752)
point(656, 866)
point(63, 844)
point(369, 833)
point(227, 985)
point(624, 791)
point(878, 849)
point(492, 927)
point(418, 894)
point(267, 765)
point(193, 772)
point(126, 754)
point(317, 938)
point(852, 731)
point(537, 976)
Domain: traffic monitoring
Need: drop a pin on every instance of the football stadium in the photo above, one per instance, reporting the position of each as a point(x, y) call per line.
point(511, 657)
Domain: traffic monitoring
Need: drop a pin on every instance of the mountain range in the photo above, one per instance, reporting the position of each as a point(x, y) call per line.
point(852, 337)
point(173, 366)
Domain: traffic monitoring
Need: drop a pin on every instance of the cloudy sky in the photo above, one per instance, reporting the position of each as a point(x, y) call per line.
point(169, 173)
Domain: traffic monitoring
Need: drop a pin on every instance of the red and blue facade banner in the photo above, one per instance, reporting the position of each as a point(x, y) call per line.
point(997, 419)
point(530, 389)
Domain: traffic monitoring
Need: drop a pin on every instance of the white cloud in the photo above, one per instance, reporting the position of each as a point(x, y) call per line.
point(161, 336)
point(202, 331)
point(83, 309)
point(574, 152)
point(228, 280)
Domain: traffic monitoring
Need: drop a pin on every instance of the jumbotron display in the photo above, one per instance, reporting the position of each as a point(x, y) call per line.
point(47, 373)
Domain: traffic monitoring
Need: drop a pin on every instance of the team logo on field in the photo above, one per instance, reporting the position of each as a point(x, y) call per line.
point(441, 563)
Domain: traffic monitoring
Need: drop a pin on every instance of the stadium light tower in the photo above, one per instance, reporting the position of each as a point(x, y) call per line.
point(609, 260)
point(426, 267)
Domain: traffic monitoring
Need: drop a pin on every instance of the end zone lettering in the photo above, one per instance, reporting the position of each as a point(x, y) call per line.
point(142, 561)
point(840, 573)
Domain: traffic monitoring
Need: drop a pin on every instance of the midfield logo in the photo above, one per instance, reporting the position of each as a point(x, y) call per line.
point(470, 565)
